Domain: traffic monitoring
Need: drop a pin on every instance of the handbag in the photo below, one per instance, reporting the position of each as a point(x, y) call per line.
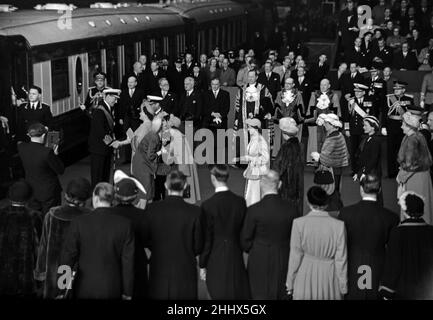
point(323, 175)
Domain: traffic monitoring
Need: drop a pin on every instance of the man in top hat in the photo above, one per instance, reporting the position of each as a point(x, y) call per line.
point(359, 107)
point(20, 229)
point(176, 76)
point(95, 93)
point(101, 137)
point(377, 91)
point(397, 104)
point(34, 111)
point(42, 168)
point(126, 190)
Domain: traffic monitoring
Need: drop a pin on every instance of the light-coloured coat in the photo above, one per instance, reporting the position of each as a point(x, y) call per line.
point(318, 258)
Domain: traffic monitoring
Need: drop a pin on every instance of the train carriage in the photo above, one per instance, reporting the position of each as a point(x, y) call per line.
point(59, 50)
point(212, 23)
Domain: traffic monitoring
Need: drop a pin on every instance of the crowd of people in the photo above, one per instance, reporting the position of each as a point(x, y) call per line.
point(396, 34)
point(119, 251)
point(147, 238)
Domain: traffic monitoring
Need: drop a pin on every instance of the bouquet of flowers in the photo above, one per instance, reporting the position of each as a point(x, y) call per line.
point(288, 97)
point(252, 94)
point(323, 101)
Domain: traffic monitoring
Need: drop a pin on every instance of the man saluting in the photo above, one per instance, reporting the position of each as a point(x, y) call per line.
point(101, 137)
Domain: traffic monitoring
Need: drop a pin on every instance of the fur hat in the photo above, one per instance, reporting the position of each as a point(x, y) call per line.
point(331, 118)
point(288, 125)
point(412, 120)
point(412, 204)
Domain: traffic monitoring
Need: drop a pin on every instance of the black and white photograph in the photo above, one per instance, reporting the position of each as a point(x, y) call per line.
point(216, 156)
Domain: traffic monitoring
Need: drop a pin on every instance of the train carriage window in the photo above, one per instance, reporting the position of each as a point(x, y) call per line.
point(145, 47)
point(159, 47)
point(60, 78)
point(94, 58)
point(129, 50)
point(78, 76)
point(112, 67)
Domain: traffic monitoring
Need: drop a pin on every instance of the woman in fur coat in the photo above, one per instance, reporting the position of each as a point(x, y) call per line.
point(56, 224)
point(415, 161)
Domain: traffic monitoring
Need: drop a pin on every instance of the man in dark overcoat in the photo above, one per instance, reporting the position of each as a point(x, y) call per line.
point(368, 226)
point(100, 248)
point(175, 239)
point(266, 237)
point(221, 262)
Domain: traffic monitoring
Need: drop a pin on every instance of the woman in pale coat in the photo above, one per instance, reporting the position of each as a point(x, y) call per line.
point(257, 156)
point(318, 253)
point(180, 154)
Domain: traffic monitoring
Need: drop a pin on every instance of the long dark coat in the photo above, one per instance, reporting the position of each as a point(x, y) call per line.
point(222, 218)
point(101, 244)
point(139, 222)
point(408, 268)
point(175, 239)
point(266, 237)
point(290, 167)
point(368, 226)
point(19, 236)
point(56, 224)
point(370, 156)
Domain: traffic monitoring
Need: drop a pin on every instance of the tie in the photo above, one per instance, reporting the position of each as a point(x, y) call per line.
point(187, 94)
point(33, 106)
point(215, 94)
point(131, 92)
point(268, 76)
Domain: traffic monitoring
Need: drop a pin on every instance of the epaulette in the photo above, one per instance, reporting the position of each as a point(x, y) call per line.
point(90, 88)
point(408, 95)
point(390, 94)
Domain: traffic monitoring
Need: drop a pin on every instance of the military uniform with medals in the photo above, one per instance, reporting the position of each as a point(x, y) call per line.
point(100, 138)
point(392, 120)
point(95, 95)
point(377, 92)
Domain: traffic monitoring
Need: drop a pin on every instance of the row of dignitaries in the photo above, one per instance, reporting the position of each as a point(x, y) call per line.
point(312, 257)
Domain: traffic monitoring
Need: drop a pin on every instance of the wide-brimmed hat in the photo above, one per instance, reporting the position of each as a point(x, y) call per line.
point(288, 125)
point(253, 122)
point(331, 118)
point(126, 188)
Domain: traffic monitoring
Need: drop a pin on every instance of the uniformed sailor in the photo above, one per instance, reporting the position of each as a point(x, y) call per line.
point(397, 104)
point(359, 107)
point(101, 137)
point(95, 94)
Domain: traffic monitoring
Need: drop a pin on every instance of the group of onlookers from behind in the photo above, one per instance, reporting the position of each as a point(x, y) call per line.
point(363, 254)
